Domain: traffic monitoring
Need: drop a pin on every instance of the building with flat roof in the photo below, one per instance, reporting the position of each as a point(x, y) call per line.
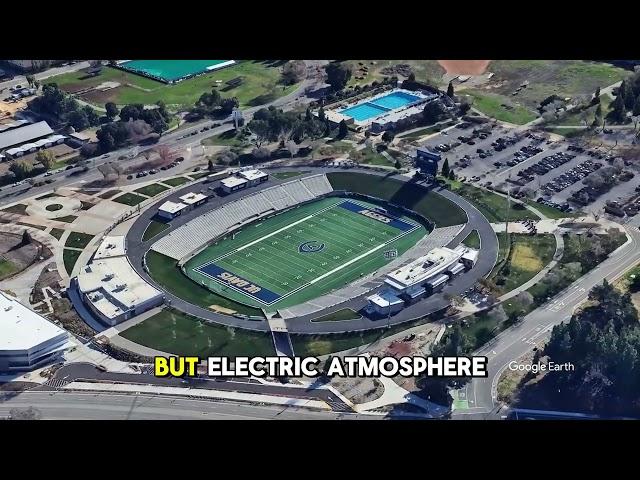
point(110, 247)
point(193, 199)
point(170, 210)
point(27, 340)
point(114, 292)
point(233, 184)
point(254, 177)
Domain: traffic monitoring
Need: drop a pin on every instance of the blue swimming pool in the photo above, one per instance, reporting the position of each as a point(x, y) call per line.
point(373, 108)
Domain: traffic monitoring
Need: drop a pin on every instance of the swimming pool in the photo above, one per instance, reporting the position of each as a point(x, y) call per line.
point(173, 70)
point(373, 108)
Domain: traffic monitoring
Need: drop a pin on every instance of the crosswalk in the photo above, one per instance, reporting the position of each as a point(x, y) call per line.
point(56, 383)
point(339, 406)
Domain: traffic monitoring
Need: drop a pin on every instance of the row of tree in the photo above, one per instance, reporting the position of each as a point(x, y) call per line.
point(64, 108)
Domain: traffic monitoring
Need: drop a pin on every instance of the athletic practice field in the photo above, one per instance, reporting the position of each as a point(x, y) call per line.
point(301, 254)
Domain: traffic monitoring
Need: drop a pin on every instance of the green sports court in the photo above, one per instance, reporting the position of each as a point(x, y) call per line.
point(303, 253)
point(173, 70)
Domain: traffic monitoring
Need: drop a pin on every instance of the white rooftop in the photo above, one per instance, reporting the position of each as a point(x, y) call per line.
point(423, 268)
point(192, 198)
point(21, 328)
point(113, 286)
point(172, 207)
point(110, 247)
point(252, 174)
point(384, 299)
point(231, 182)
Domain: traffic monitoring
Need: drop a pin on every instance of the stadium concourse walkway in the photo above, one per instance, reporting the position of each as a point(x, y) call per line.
point(136, 249)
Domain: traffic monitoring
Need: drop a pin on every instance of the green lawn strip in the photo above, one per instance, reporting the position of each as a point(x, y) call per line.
point(369, 156)
point(153, 229)
point(7, 268)
point(529, 255)
point(151, 190)
point(429, 204)
point(108, 194)
point(70, 257)
point(472, 240)
point(500, 107)
point(344, 314)
point(550, 211)
point(20, 209)
point(165, 271)
point(175, 332)
point(175, 182)
point(130, 199)
point(228, 139)
point(48, 195)
point(78, 240)
point(56, 232)
point(492, 205)
point(66, 218)
point(198, 175)
point(285, 175)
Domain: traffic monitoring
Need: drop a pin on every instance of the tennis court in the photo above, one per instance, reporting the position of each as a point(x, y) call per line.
point(303, 253)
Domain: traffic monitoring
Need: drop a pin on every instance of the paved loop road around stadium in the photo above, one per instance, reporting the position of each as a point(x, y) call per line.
point(136, 249)
point(300, 254)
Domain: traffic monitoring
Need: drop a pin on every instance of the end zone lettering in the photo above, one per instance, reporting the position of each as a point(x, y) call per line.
point(175, 366)
point(375, 216)
point(236, 281)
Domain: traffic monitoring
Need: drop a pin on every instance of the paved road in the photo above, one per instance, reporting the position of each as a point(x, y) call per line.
point(107, 406)
point(78, 371)
point(20, 79)
point(535, 327)
point(136, 249)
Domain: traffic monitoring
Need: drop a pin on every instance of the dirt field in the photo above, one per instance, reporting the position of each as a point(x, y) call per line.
point(464, 67)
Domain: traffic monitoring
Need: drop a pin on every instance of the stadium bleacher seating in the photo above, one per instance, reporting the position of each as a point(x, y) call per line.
point(201, 230)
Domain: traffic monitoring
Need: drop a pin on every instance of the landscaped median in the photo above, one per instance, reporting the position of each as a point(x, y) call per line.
point(153, 229)
point(151, 190)
point(130, 199)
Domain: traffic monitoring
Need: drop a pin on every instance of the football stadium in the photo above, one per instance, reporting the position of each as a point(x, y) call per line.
point(299, 248)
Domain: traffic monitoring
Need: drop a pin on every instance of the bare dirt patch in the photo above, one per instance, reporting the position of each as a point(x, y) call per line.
point(22, 256)
point(49, 277)
point(464, 67)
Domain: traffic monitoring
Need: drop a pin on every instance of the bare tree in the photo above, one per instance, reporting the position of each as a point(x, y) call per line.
point(166, 154)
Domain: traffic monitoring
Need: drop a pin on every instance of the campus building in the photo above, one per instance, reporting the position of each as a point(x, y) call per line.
point(427, 161)
point(27, 340)
point(18, 139)
point(422, 277)
point(111, 289)
point(170, 210)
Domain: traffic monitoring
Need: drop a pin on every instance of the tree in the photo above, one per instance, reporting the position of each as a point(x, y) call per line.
point(293, 72)
point(596, 97)
point(338, 75)
point(411, 78)
point(228, 104)
point(30, 79)
point(433, 111)
point(165, 153)
point(261, 129)
point(321, 114)
point(618, 109)
point(46, 158)
point(21, 169)
point(450, 92)
point(628, 94)
point(342, 129)
point(445, 168)
point(112, 110)
point(397, 165)
point(636, 106)
point(78, 120)
point(26, 238)
point(210, 165)
point(452, 175)
point(260, 153)
point(387, 136)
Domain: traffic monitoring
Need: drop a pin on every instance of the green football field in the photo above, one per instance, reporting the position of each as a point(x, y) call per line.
point(303, 253)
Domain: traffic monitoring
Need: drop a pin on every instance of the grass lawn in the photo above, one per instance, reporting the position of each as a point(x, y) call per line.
point(78, 240)
point(175, 332)
point(577, 119)
point(285, 175)
point(570, 132)
point(428, 204)
point(66, 218)
point(503, 251)
point(228, 138)
point(164, 270)
point(108, 194)
point(368, 156)
point(492, 205)
point(425, 131)
point(550, 211)
point(335, 148)
point(70, 257)
point(19, 208)
point(529, 255)
point(472, 240)
point(153, 229)
point(54, 207)
point(56, 232)
point(344, 314)
point(151, 190)
point(130, 199)
point(7, 268)
point(175, 182)
point(500, 107)
point(260, 85)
